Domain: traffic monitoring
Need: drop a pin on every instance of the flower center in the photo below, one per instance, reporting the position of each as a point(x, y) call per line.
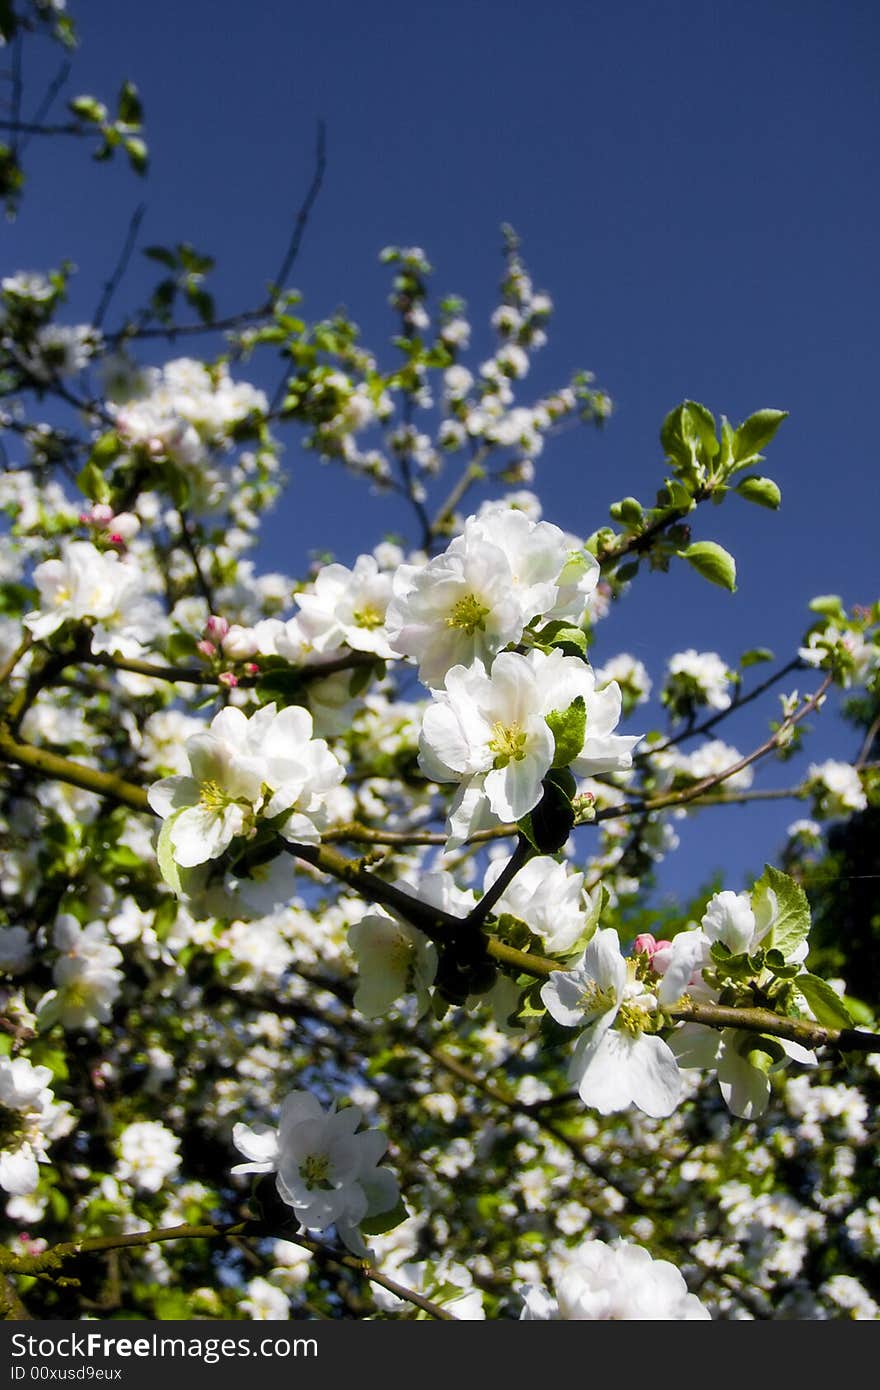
point(80, 993)
point(595, 1000)
point(315, 1171)
point(212, 796)
point(508, 743)
point(632, 1018)
point(468, 615)
point(368, 617)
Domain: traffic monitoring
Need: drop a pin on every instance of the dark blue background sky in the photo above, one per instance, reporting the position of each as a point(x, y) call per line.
point(695, 184)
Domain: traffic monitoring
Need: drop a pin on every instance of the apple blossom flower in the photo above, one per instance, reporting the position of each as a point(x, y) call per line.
point(743, 1062)
point(241, 766)
point(148, 1155)
point(548, 897)
point(348, 606)
point(393, 957)
point(489, 732)
point(25, 1109)
point(326, 1169)
point(86, 976)
point(264, 1301)
point(613, 1066)
point(836, 787)
point(89, 583)
point(503, 572)
point(217, 801)
point(696, 678)
point(620, 1281)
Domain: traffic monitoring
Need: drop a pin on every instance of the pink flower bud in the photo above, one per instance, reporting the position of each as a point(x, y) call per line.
point(216, 628)
point(646, 945)
point(116, 539)
point(251, 668)
point(207, 649)
point(228, 679)
point(127, 525)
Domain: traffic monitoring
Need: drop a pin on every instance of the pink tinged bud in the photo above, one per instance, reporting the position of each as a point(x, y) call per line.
point(251, 668)
point(216, 628)
point(127, 525)
point(102, 514)
point(228, 679)
point(239, 644)
point(661, 957)
point(207, 649)
point(645, 944)
point(116, 539)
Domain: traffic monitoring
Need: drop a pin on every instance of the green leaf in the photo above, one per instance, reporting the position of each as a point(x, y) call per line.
point(568, 728)
point(136, 149)
point(756, 432)
point(628, 571)
point(570, 640)
point(713, 562)
point(548, 826)
point(829, 605)
point(92, 483)
point(88, 109)
point(202, 302)
point(754, 655)
point(168, 867)
point(829, 1008)
point(630, 511)
point(163, 255)
point(762, 1053)
point(130, 109)
point(106, 448)
point(792, 925)
point(688, 436)
point(763, 491)
point(384, 1220)
point(283, 685)
point(181, 646)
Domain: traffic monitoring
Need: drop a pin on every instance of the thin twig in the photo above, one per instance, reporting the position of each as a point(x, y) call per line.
point(112, 285)
point(46, 104)
point(707, 724)
point(305, 210)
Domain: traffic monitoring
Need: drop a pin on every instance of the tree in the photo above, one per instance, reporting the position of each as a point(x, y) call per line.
point(329, 962)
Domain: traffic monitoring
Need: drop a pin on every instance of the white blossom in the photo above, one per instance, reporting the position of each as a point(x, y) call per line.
point(613, 1282)
point(326, 1168)
point(148, 1155)
point(613, 1067)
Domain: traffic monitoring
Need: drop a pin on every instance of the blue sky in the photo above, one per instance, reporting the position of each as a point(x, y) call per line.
point(695, 184)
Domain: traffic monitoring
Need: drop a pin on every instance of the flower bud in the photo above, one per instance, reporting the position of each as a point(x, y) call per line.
point(239, 643)
point(216, 628)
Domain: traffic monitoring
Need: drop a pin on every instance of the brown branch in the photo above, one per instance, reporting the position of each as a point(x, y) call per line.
point(707, 724)
point(682, 798)
point(48, 1261)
